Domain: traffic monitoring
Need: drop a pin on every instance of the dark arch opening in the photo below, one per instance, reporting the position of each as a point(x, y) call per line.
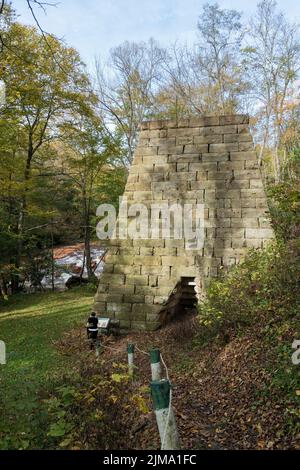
point(183, 299)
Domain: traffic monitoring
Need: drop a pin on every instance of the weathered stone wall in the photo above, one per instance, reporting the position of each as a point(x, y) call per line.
point(207, 160)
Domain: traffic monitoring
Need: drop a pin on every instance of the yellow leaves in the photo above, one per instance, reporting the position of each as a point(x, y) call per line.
point(144, 389)
point(141, 403)
point(119, 366)
point(91, 399)
point(66, 442)
point(98, 415)
point(298, 393)
point(259, 428)
point(119, 377)
point(113, 398)
point(265, 445)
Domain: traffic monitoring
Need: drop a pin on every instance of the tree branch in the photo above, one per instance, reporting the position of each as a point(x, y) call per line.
point(42, 31)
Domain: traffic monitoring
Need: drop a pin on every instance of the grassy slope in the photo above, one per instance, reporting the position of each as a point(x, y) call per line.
point(29, 324)
point(226, 395)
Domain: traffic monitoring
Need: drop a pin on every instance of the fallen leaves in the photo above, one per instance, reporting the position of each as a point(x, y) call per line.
point(218, 395)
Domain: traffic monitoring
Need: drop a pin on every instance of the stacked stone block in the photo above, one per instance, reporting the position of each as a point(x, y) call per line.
point(208, 160)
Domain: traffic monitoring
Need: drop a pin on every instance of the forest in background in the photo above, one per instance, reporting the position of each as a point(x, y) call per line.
point(66, 142)
point(67, 137)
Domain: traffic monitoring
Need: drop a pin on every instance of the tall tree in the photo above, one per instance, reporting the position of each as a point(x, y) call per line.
point(220, 37)
point(272, 62)
point(43, 87)
point(127, 88)
point(87, 155)
point(207, 78)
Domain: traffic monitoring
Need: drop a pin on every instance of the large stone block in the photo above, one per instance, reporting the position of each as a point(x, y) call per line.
point(155, 159)
point(203, 184)
point(186, 158)
point(182, 176)
point(251, 174)
point(215, 157)
point(244, 156)
point(238, 184)
point(145, 151)
point(134, 298)
point(196, 148)
point(218, 130)
point(99, 306)
point(238, 138)
point(234, 119)
point(259, 233)
point(141, 280)
point(188, 140)
point(112, 279)
point(154, 271)
point(205, 160)
point(256, 183)
point(249, 222)
point(249, 212)
point(176, 261)
point(228, 194)
point(253, 243)
point(116, 307)
point(125, 325)
point(253, 193)
point(244, 146)
point(141, 242)
point(151, 318)
point(207, 138)
point(170, 150)
point(145, 309)
point(229, 166)
point(127, 269)
point(231, 213)
point(219, 175)
point(229, 147)
point(121, 259)
point(185, 132)
point(147, 260)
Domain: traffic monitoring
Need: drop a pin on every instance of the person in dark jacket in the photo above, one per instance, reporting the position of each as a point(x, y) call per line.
point(92, 329)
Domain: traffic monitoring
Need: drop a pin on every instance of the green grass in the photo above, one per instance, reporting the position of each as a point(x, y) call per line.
point(29, 324)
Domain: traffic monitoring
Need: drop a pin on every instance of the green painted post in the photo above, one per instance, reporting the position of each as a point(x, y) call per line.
point(165, 418)
point(155, 363)
point(130, 353)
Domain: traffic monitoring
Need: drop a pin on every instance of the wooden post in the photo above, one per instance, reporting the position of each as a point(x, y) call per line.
point(97, 347)
point(155, 363)
point(165, 418)
point(2, 352)
point(130, 353)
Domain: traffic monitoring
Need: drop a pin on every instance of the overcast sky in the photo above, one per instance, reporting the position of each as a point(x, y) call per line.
point(94, 26)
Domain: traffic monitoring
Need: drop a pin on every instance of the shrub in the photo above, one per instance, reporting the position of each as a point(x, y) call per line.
point(96, 410)
point(284, 202)
point(265, 285)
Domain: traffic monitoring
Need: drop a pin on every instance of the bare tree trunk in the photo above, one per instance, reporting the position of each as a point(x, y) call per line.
point(52, 260)
point(87, 249)
point(3, 288)
point(21, 218)
point(83, 265)
point(277, 174)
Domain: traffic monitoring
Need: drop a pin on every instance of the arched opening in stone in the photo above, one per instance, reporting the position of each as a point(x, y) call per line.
point(182, 300)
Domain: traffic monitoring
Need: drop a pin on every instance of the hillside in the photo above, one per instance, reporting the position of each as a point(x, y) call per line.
point(234, 391)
